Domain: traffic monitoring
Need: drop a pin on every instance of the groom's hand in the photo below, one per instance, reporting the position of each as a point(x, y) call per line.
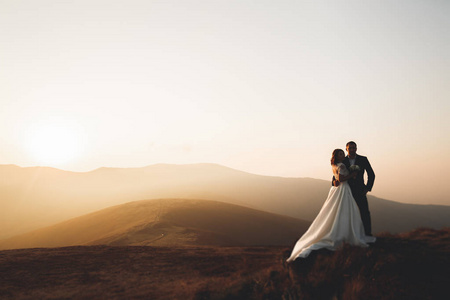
point(365, 191)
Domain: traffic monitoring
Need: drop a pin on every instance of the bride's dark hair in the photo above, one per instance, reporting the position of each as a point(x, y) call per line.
point(334, 155)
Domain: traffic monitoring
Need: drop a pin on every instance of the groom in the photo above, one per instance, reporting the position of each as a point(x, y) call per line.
point(359, 189)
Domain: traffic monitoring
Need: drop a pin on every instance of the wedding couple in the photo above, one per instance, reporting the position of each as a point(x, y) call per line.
point(345, 215)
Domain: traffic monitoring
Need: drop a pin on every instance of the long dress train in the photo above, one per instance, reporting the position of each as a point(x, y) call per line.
point(338, 221)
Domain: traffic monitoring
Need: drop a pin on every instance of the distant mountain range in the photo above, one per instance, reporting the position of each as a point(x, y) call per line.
point(167, 222)
point(31, 198)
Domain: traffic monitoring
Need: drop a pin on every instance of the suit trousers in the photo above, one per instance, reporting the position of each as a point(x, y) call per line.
point(363, 205)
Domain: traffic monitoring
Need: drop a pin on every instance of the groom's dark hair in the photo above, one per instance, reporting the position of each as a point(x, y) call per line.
point(350, 143)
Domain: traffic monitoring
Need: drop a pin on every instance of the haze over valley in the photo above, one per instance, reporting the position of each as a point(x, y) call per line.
point(33, 198)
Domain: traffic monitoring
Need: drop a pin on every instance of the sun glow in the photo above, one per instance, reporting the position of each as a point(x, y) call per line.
point(53, 144)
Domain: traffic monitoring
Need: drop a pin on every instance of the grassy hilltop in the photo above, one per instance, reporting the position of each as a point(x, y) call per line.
point(411, 265)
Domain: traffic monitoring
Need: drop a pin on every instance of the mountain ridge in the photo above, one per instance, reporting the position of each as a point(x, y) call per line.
point(35, 197)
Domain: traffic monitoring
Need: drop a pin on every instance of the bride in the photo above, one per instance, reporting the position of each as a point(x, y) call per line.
point(338, 221)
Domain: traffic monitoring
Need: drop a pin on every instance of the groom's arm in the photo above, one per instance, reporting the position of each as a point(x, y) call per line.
point(370, 175)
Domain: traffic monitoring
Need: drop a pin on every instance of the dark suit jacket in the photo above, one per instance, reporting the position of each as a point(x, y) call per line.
point(357, 184)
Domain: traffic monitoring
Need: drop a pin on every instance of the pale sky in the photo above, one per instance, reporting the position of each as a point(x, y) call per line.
point(267, 87)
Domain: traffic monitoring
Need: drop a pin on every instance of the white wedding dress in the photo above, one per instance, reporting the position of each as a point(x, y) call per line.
point(338, 222)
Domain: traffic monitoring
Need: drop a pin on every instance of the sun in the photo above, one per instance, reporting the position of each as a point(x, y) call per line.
point(53, 145)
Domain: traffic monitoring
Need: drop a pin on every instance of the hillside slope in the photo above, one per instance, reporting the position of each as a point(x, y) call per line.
point(167, 222)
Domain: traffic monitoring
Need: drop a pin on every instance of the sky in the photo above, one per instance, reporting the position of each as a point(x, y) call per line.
point(266, 87)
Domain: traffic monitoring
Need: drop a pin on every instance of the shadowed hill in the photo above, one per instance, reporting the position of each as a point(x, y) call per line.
point(398, 217)
point(411, 265)
point(167, 222)
point(31, 198)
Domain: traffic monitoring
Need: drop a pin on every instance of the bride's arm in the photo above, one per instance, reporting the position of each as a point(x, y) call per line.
point(347, 177)
point(339, 170)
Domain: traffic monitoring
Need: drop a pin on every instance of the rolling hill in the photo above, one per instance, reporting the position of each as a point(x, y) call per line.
point(167, 222)
point(31, 198)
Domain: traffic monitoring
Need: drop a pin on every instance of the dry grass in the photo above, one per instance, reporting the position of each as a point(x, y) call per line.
point(130, 272)
point(407, 266)
point(412, 265)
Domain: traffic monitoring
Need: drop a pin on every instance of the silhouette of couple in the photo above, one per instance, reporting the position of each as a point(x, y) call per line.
point(345, 215)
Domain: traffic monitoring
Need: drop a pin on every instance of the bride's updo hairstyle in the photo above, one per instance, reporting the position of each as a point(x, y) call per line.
point(334, 156)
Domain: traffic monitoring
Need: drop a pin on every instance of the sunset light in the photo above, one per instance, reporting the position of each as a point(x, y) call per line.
point(186, 149)
point(53, 145)
point(268, 88)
